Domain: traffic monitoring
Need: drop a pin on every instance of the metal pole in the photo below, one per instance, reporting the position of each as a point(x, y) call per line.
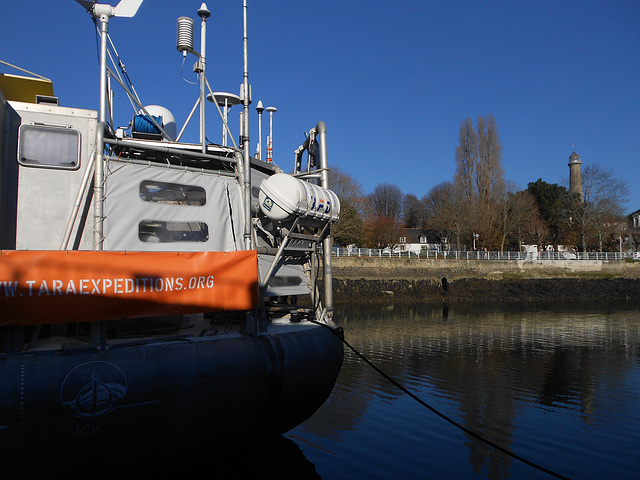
point(79, 198)
point(98, 184)
point(271, 110)
point(224, 126)
point(271, 134)
point(321, 132)
point(245, 138)
point(204, 14)
point(252, 322)
point(259, 109)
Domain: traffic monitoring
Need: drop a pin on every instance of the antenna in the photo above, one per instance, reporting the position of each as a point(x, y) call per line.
point(259, 109)
point(226, 101)
point(245, 94)
point(203, 13)
point(271, 111)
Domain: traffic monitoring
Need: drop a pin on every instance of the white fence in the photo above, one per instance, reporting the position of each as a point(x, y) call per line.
point(481, 255)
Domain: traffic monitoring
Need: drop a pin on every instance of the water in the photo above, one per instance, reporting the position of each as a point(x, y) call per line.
point(559, 387)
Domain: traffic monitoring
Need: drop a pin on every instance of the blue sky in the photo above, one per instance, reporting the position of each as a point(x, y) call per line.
point(393, 80)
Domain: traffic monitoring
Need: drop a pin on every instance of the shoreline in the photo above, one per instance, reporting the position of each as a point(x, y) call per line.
point(375, 280)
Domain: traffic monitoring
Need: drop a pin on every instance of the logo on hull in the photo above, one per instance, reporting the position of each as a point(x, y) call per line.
point(93, 389)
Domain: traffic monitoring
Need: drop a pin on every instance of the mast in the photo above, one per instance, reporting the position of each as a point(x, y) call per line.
point(98, 182)
point(204, 13)
point(246, 100)
point(125, 8)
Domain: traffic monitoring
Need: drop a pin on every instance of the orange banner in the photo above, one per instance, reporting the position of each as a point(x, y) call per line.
point(38, 287)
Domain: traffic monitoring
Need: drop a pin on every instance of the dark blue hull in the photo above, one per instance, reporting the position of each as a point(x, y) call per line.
point(190, 388)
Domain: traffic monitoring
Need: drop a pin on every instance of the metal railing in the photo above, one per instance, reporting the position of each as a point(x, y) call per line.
point(481, 255)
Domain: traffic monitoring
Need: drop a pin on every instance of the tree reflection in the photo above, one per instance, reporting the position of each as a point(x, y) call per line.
point(488, 364)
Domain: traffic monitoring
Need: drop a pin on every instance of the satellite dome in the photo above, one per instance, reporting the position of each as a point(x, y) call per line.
point(168, 120)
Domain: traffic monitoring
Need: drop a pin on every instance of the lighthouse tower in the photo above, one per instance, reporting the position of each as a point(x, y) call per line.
point(575, 177)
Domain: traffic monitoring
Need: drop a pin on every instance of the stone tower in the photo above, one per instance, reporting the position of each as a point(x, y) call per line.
point(575, 177)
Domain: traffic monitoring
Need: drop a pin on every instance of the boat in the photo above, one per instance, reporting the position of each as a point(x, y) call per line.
point(150, 285)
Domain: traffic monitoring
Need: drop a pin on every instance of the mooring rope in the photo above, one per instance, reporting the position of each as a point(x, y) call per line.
point(440, 414)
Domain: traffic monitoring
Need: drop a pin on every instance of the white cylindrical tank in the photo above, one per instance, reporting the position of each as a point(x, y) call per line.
point(283, 197)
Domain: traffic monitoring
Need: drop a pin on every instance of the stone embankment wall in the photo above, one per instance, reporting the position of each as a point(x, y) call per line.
point(431, 280)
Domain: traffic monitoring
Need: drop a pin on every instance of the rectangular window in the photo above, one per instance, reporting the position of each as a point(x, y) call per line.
point(423, 239)
point(172, 193)
point(153, 231)
point(49, 146)
point(403, 239)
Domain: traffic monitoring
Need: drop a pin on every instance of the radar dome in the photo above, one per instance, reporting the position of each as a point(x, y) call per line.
point(168, 120)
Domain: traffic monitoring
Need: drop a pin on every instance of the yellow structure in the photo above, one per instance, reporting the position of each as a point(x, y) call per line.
point(24, 89)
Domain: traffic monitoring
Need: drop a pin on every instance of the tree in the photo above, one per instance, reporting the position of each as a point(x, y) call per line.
point(382, 232)
point(597, 214)
point(412, 211)
point(538, 232)
point(386, 201)
point(479, 176)
point(551, 200)
point(479, 169)
point(515, 213)
point(384, 215)
point(446, 210)
point(348, 229)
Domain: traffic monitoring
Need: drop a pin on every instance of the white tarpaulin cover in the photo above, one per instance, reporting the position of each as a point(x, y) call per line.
point(211, 219)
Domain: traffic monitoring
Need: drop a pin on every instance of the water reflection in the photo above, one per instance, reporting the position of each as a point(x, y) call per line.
point(538, 381)
point(149, 456)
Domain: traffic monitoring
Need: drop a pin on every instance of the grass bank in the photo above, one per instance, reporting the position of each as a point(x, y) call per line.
point(436, 269)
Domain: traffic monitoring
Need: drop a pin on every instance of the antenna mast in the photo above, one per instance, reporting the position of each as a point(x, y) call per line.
point(245, 95)
point(203, 13)
point(102, 13)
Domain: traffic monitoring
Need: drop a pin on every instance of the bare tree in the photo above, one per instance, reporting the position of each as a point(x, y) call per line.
point(478, 160)
point(381, 232)
point(597, 213)
point(538, 232)
point(383, 217)
point(386, 201)
point(412, 211)
point(348, 229)
point(515, 213)
point(446, 208)
point(479, 174)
